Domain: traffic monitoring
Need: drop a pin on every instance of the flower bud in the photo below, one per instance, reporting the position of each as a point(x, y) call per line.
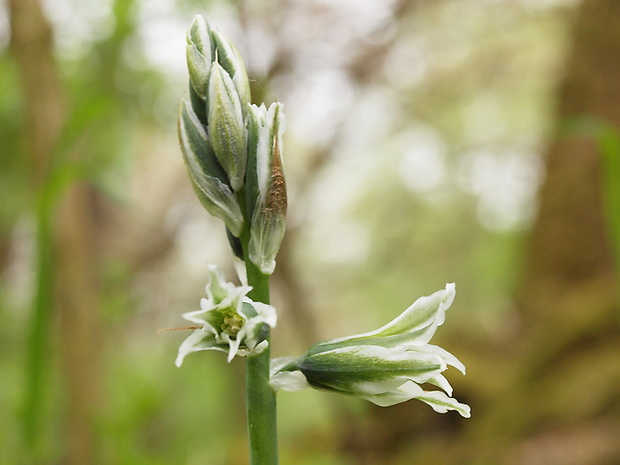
point(385, 366)
point(199, 55)
point(207, 176)
point(229, 57)
point(228, 321)
point(226, 127)
point(265, 185)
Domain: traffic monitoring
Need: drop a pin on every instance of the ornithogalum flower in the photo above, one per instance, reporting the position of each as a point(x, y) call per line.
point(386, 366)
point(228, 321)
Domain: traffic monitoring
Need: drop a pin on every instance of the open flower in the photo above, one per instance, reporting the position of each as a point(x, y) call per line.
point(386, 366)
point(228, 321)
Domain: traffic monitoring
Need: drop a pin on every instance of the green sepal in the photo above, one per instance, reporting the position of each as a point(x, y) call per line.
point(199, 55)
point(208, 178)
point(226, 128)
point(229, 57)
point(235, 244)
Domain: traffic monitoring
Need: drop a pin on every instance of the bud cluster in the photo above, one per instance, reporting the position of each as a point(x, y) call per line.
point(232, 148)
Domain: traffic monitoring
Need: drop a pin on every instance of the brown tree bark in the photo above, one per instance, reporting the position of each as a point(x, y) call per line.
point(569, 244)
point(31, 47)
point(74, 242)
point(551, 395)
point(556, 398)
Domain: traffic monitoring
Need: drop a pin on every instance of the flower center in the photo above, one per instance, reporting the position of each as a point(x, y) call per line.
point(233, 322)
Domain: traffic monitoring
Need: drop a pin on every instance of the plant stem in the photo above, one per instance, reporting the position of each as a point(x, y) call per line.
point(260, 397)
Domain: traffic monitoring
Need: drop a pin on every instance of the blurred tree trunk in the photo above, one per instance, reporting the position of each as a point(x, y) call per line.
point(557, 399)
point(73, 244)
point(551, 396)
point(569, 244)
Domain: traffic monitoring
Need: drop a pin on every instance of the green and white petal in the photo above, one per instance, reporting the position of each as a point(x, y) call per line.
point(446, 356)
point(266, 186)
point(414, 327)
point(208, 178)
point(254, 328)
point(285, 376)
point(200, 339)
point(368, 369)
point(222, 292)
point(199, 55)
point(439, 401)
point(291, 381)
point(226, 128)
point(233, 345)
point(230, 59)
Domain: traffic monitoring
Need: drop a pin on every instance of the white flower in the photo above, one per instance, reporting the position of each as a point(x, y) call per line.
point(228, 321)
point(385, 366)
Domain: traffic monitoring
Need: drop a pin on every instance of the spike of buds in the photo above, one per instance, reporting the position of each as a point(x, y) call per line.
point(232, 148)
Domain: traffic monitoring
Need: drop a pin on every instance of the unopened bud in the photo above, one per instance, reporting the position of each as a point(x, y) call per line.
point(266, 188)
point(229, 57)
point(199, 55)
point(207, 176)
point(226, 128)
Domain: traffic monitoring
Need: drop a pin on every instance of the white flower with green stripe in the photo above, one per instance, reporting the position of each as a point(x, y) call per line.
point(228, 321)
point(386, 366)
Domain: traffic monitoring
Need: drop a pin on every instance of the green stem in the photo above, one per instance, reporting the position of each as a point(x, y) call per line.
point(260, 397)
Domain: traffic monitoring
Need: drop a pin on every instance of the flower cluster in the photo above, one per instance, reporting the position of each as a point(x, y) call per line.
point(232, 152)
point(385, 366)
point(232, 148)
point(228, 321)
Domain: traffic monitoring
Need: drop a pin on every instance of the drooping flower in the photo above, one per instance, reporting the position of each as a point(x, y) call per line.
point(228, 321)
point(386, 366)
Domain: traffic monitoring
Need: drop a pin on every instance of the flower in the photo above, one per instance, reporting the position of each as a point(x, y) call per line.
point(228, 321)
point(265, 185)
point(386, 366)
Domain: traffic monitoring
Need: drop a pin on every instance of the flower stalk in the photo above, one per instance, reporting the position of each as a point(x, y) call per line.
point(231, 150)
point(260, 396)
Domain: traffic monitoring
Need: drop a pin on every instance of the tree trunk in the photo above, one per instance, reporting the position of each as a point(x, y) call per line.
point(71, 262)
point(558, 399)
point(550, 396)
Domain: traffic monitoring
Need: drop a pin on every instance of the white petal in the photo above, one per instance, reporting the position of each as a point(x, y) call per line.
point(439, 401)
point(201, 339)
point(240, 269)
point(267, 313)
point(422, 317)
point(289, 381)
point(447, 357)
point(233, 345)
point(441, 382)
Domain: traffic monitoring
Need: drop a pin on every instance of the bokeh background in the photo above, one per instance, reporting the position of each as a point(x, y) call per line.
point(428, 141)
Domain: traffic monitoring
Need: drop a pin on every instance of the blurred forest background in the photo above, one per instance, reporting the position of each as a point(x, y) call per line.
point(428, 141)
